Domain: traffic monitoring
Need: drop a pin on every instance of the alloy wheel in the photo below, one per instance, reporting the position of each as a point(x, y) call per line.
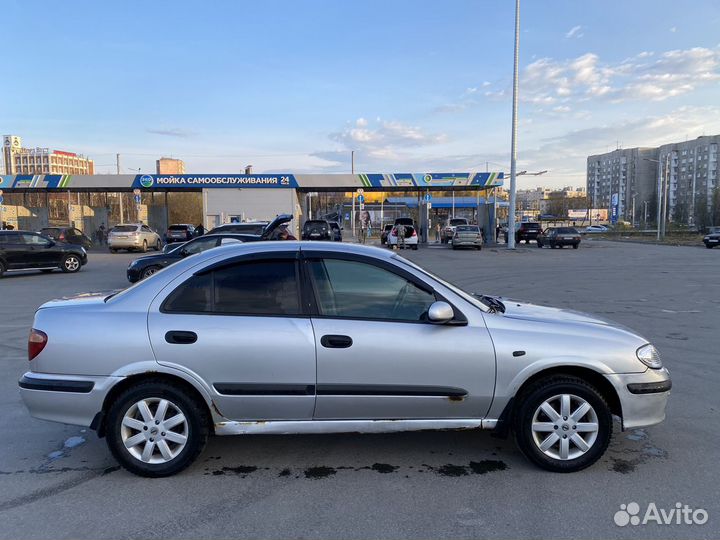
point(565, 427)
point(72, 264)
point(154, 430)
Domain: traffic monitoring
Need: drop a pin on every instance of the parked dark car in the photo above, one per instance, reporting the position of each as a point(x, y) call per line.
point(557, 237)
point(180, 232)
point(25, 250)
point(144, 267)
point(337, 231)
point(254, 227)
point(69, 235)
point(317, 229)
point(712, 238)
point(527, 230)
point(384, 234)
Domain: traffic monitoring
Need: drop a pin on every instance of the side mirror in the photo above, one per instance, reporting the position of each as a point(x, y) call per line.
point(440, 313)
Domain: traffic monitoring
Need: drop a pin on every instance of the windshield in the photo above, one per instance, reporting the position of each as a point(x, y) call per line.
point(475, 301)
point(178, 228)
point(566, 230)
point(458, 221)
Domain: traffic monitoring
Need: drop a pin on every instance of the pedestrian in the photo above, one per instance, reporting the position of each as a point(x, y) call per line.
point(101, 234)
point(438, 228)
point(498, 230)
point(400, 231)
point(200, 230)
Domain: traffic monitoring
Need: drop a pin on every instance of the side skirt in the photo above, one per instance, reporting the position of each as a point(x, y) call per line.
point(283, 427)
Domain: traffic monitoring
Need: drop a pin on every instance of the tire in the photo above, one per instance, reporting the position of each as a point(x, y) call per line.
point(575, 246)
point(149, 271)
point(70, 264)
point(709, 246)
point(454, 247)
point(2, 268)
point(158, 245)
point(539, 244)
point(194, 428)
point(113, 250)
point(144, 247)
point(551, 391)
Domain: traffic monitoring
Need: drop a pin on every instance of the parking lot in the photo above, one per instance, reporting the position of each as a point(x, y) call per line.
point(61, 482)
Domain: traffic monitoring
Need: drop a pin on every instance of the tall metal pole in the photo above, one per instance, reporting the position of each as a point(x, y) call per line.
point(120, 195)
point(658, 218)
point(352, 161)
point(665, 195)
point(513, 147)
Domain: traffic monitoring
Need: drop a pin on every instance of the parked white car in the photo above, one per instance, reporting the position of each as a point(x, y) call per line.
point(133, 237)
point(411, 238)
point(596, 229)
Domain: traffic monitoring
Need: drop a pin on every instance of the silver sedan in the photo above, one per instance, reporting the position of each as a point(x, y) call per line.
point(293, 337)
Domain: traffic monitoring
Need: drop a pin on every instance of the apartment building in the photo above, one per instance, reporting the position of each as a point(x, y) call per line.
point(20, 160)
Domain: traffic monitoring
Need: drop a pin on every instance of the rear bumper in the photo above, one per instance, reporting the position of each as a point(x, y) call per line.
point(124, 243)
point(63, 398)
point(643, 396)
point(466, 242)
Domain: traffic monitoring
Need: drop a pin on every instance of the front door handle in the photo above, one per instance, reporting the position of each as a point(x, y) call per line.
point(336, 342)
point(181, 337)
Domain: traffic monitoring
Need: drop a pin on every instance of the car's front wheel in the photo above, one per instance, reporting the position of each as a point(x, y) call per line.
point(155, 429)
point(563, 424)
point(149, 271)
point(70, 264)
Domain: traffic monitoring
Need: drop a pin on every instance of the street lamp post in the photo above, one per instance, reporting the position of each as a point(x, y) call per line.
point(662, 189)
point(513, 144)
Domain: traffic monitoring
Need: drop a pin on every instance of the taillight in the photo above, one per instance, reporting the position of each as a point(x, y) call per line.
point(62, 237)
point(393, 232)
point(414, 232)
point(36, 343)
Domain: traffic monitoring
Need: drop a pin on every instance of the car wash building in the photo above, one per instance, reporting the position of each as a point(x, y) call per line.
point(32, 202)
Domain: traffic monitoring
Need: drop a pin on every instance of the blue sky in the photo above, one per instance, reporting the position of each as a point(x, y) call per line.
point(408, 85)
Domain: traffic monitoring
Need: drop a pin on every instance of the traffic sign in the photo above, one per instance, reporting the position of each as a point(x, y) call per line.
point(429, 205)
point(1, 199)
point(137, 199)
point(428, 196)
point(361, 199)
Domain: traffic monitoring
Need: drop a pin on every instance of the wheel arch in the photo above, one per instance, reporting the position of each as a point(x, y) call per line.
point(208, 407)
point(595, 378)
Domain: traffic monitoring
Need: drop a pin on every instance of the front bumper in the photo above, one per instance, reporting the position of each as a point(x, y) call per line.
point(133, 274)
point(70, 399)
point(643, 396)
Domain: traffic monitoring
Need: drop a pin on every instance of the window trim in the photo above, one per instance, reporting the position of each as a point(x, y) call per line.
point(243, 259)
point(307, 256)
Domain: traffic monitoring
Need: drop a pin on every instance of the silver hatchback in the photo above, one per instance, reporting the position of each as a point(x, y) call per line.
point(293, 337)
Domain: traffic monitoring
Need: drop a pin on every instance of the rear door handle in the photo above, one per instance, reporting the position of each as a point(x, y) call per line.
point(331, 341)
point(181, 337)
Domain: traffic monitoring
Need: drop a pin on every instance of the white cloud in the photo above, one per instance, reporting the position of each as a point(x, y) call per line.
point(361, 122)
point(673, 29)
point(574, 32)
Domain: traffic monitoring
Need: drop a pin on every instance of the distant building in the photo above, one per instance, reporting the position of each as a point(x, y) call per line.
point(19, 160)
point(693, 174)
point(166, 165)
point(693, 178)
point(549, 201)
point(626, 173)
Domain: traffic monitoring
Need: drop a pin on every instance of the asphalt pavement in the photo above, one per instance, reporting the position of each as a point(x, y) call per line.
point(60, 481)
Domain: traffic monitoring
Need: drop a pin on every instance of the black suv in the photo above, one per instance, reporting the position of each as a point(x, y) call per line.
point(25, 250)
point(69, 235)
point(527, 230)
point(317, 229)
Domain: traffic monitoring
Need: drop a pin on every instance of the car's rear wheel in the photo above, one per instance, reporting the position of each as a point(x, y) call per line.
point(575, 246)
point(2, 268)
point(155, 429)
point(70, 264)
point(149, 271)
point(144, 246)
point(709, 246)
point(158, 245)
point(539, 244)
point(113, 250)
point(563, 424)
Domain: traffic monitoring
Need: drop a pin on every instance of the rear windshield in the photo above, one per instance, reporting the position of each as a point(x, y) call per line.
point(567, 230)
point(246, 228)
point(315, 223)
point(468, 228)
point(334, 225)
point(178, 228)
point(458, 221)
point(51, 231)
point(124, 228)
point(531, 225)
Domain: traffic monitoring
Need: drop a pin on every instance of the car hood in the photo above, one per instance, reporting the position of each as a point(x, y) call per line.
point(532, 312)
point(84, 299)
point(153, 258)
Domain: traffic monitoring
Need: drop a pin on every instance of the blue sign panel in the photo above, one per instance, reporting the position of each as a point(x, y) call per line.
point(614, 208)
point(148, 181)
point(361, 199)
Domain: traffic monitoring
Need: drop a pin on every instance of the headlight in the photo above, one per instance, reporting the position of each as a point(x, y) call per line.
point(649, 356)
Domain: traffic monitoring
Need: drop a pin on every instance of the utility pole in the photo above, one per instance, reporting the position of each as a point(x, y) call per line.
point(352, 161)
point(665, 196)
point(513, 144)
point(117, 166)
